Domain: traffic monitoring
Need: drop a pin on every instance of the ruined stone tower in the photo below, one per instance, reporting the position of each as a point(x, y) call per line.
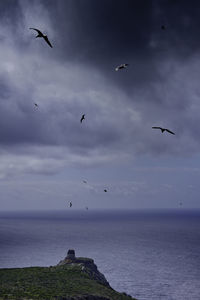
point(71, 254)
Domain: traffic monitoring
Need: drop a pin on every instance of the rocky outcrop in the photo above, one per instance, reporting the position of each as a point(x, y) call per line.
point(87, 265)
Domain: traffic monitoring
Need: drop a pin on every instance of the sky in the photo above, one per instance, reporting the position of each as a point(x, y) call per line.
point(46, 153)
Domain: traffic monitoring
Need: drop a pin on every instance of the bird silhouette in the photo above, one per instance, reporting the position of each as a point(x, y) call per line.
point(36, 105)
point(122, 66)
point(41, 35)
point(163, 129)
point(105, 191)
point(163, 27)
point(82, 118)
point(86, 208)
point(70, 204)
point(84, 181)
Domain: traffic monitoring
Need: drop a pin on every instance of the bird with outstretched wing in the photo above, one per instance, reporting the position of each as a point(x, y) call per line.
point(163, 129)
point(41, 35)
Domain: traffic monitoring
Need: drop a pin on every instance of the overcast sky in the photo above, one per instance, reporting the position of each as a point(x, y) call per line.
point(46, 153)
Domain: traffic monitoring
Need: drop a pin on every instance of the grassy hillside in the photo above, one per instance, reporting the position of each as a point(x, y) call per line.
point(59, 282)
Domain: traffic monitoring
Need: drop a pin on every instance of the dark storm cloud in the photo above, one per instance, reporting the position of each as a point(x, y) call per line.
point(107, 33)
point(107, 29)
point(90, 38)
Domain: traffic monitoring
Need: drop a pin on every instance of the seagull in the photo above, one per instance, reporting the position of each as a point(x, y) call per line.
point(82, 118)
point(36, 105)
point(105, 191)
point(41, 35)
point(84, 181)
point(122, 66)
point(70, 204)
point(163, 129)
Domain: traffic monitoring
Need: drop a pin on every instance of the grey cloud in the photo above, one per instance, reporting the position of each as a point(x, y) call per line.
point(77, 76)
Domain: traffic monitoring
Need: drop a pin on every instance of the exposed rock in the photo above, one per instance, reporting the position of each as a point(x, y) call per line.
point(87, 265)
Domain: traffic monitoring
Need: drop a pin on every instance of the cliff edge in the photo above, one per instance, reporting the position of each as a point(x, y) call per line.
point(72, 279)
point(87, 265)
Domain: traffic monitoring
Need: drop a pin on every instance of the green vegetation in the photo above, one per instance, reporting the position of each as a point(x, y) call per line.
point(57, 282)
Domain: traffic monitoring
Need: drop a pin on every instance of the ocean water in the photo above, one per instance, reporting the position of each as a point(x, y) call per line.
point(147, 254)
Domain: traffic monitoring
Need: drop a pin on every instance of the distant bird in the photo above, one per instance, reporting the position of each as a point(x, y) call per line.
point(70, 204)
point(84, 181)
point(82, 118)
point(122, 66)
point(163, 129)
point(180, 203)
point(86, 208)
point(163, 27)
point(105, 191)
point(36, 105)
point(41, 35)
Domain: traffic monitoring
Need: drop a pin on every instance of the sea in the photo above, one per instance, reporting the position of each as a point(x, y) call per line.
point(150, 255)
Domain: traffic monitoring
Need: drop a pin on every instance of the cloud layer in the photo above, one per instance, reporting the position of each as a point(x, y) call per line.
point(90, 38)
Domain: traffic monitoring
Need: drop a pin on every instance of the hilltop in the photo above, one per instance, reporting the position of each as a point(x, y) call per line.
point(72, 279)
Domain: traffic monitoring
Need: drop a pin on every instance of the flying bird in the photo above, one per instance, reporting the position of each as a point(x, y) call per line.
point(122, 66)
point(41, 35)
point(84, 181)
point(163, 129)
point(36, 105)
point(163, 27)
point(82, 118)
point(86, 208)
point(105, 191)
point(70, 204)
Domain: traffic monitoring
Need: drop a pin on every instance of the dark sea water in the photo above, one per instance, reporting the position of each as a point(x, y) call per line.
point(150, 255)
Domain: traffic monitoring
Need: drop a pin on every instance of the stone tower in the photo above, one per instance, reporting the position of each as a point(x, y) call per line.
point(71, 254)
